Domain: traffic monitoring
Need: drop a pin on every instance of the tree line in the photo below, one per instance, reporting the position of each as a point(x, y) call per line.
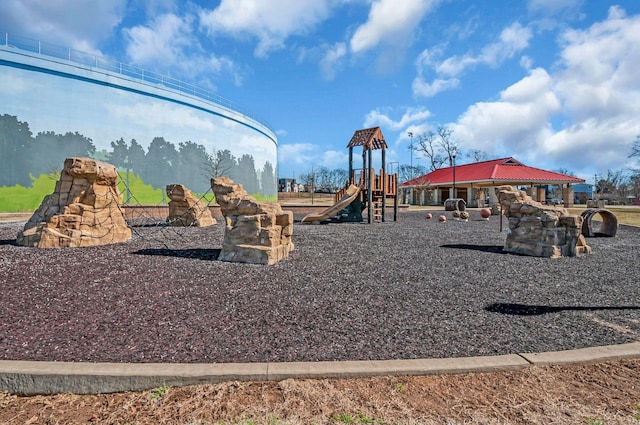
point(23, 155)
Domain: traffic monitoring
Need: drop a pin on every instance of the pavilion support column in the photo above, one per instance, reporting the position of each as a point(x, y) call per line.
point(480, 197)
point(542, 194)
point(531, 191)
point(494, 204)
point(568, 195)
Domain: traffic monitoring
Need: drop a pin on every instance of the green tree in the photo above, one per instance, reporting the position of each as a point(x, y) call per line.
point(247, 174)
point(160, 161)
point(119, 155)
point(220, 164)
point(268, 180)
point(15, 151)
point(50, 150)
point(192, 157)
point(136, 157)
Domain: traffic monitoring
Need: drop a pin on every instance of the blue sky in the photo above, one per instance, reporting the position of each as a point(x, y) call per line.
point(554, 83)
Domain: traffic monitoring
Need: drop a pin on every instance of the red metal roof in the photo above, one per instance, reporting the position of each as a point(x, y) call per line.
point(500, 171)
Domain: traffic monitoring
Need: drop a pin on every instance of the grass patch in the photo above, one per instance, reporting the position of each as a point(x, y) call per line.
point(20, 198)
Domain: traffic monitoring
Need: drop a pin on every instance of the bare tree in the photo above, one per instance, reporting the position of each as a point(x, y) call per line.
point(611, 185)
point(309, 180)
point(218, 163)
point(437, 148)
point(635, 148)
point(428, 146)
point(447, 144)
point(337, 178)
point(404, 173)
point(323, 181)
point(477, 155)
point(634, 185)
point(565, 171)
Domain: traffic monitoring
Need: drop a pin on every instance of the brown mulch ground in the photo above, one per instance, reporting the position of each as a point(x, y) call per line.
point(603, 393)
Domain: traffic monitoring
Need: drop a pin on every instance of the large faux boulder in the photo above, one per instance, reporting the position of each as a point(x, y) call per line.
point(256, 232)
point(540, 230)
point(84, 210)
point(185, 209)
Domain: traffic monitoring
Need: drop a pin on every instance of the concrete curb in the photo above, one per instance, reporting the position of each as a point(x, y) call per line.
point(585, 355)
point(32, 377)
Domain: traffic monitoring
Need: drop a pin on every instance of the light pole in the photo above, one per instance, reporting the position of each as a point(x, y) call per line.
point(390, 166)
point(410, 134)
point(453, 154)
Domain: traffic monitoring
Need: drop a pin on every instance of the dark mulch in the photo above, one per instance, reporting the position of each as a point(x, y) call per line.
point(410, 289)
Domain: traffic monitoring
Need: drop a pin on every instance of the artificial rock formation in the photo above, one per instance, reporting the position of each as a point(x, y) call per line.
point(540, 230)
point(84, 209)
point(256, 232)
point(185, 209)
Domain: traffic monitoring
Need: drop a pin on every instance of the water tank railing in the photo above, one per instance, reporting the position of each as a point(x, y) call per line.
point(124, 69)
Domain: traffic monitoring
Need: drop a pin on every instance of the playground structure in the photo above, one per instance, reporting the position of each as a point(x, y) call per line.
point(364, 188)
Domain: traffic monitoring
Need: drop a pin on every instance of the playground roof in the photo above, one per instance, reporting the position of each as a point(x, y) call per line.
point(491, 173)
point(368, 138)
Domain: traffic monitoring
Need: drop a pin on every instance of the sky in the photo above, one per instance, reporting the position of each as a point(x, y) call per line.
point(552, 83)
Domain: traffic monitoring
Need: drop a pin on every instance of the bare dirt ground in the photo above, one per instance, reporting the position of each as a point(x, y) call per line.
point(603, 393)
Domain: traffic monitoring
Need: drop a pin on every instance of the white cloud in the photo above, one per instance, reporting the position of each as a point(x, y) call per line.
point(335, 159)
point(168, 42)
point(422, 88)
point(513, 39)
point(301, 157)
point(298, 155)
point(12, 84)
point(600, 68)
point(389, 21)
point(389, 31)
point(526, 62)
point(270, 22)
point(78, 24)
point(413, 120)
point(332, 60)
point(141, 114)
point(382, 119)
point(162, 41)
point(517, 122)
point(593, 97)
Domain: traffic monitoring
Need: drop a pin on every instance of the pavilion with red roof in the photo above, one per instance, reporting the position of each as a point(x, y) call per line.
point(473, 181)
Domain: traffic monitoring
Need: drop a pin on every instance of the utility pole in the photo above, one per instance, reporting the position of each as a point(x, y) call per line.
point(410, 134)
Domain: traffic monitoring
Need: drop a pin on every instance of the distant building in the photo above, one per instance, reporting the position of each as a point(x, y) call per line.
point(287, 185)
point(582, 192)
